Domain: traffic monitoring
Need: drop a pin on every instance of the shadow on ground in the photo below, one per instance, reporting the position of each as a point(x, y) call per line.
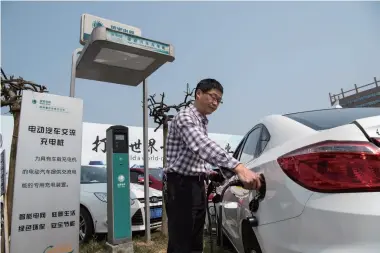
point(157, 245)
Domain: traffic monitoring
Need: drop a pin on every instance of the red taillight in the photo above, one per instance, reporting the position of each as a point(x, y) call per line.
point(334, 166)
point(210, 197)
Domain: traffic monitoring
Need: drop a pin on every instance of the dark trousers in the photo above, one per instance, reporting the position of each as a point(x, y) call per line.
point(186, 211)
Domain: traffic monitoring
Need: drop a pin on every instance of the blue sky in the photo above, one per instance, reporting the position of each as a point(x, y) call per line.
point(271, 57)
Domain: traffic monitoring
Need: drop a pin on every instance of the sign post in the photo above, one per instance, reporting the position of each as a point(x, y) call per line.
point(118, 189)
point(47, 172)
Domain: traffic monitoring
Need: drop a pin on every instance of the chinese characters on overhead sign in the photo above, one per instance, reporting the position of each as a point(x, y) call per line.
point(47, 171)
point(121, 29)
point(138, 42)
point(89, 22)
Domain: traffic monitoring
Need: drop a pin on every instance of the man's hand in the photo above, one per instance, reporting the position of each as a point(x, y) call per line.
point(250, 179)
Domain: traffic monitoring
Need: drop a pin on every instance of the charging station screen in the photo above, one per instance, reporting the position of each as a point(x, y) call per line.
point(119, 137)
point(120, 143)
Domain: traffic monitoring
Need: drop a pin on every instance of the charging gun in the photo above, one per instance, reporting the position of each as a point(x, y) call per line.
point(218, 179)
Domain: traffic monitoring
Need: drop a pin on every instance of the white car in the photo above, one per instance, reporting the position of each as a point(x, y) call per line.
point(322, 172)
point(93, 204)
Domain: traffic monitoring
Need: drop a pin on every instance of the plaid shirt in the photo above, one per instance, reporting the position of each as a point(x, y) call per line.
point(189, 147)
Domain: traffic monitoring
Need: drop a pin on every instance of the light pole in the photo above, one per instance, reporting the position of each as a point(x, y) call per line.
point(146, 160)
point(120, 58)
point(73, 71)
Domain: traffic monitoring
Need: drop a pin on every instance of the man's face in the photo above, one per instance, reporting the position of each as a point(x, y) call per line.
point(209, 100)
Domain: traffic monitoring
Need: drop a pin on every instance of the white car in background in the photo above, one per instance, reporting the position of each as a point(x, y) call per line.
point(322, 173)
point(93, 204)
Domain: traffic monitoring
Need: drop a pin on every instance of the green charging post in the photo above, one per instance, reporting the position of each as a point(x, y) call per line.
point(118, 190)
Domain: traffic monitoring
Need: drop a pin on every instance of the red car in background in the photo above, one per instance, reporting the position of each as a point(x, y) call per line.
point(155, 176)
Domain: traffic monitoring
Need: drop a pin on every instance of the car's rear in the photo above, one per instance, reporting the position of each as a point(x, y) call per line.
point(340, 166)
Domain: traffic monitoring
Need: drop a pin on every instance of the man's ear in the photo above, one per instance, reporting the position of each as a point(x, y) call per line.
point(198, 92)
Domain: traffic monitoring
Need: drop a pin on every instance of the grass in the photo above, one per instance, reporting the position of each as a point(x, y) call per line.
point(157, 245)
point(94, 246)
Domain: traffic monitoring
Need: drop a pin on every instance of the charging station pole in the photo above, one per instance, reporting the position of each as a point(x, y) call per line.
point(118, 190)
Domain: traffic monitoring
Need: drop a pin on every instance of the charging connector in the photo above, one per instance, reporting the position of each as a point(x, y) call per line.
point(253, 205)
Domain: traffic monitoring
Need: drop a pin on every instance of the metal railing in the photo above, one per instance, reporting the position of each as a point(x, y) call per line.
point(336, 97)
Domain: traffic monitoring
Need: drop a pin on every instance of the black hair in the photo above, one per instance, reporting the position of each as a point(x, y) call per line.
point(208, 84)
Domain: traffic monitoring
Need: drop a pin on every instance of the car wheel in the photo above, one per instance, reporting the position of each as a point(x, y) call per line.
point(86, 227)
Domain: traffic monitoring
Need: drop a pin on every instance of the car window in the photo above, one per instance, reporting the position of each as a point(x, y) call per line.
point(92, 174)
point(236, 153)
point(249, 149)
point(156, 173)
point(330, 118)
point(134, 176)
point(264, 139)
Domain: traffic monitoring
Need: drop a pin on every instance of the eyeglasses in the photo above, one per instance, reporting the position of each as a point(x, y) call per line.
point(215, 98)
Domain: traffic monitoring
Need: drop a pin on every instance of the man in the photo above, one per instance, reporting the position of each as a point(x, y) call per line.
point(188, 149)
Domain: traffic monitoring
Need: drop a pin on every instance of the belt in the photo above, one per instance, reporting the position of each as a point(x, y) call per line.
point(200, 177)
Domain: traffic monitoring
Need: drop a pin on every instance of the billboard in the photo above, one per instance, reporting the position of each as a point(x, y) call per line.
point(47, 171)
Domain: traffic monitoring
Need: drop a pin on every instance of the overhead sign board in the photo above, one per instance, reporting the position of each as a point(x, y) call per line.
point(48, 163)
point(89, 22)
point(139, 42)
point(120, 62)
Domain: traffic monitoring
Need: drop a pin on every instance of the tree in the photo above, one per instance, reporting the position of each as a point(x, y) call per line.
point(228, 149)
point(161, 112)
point(11, 96)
